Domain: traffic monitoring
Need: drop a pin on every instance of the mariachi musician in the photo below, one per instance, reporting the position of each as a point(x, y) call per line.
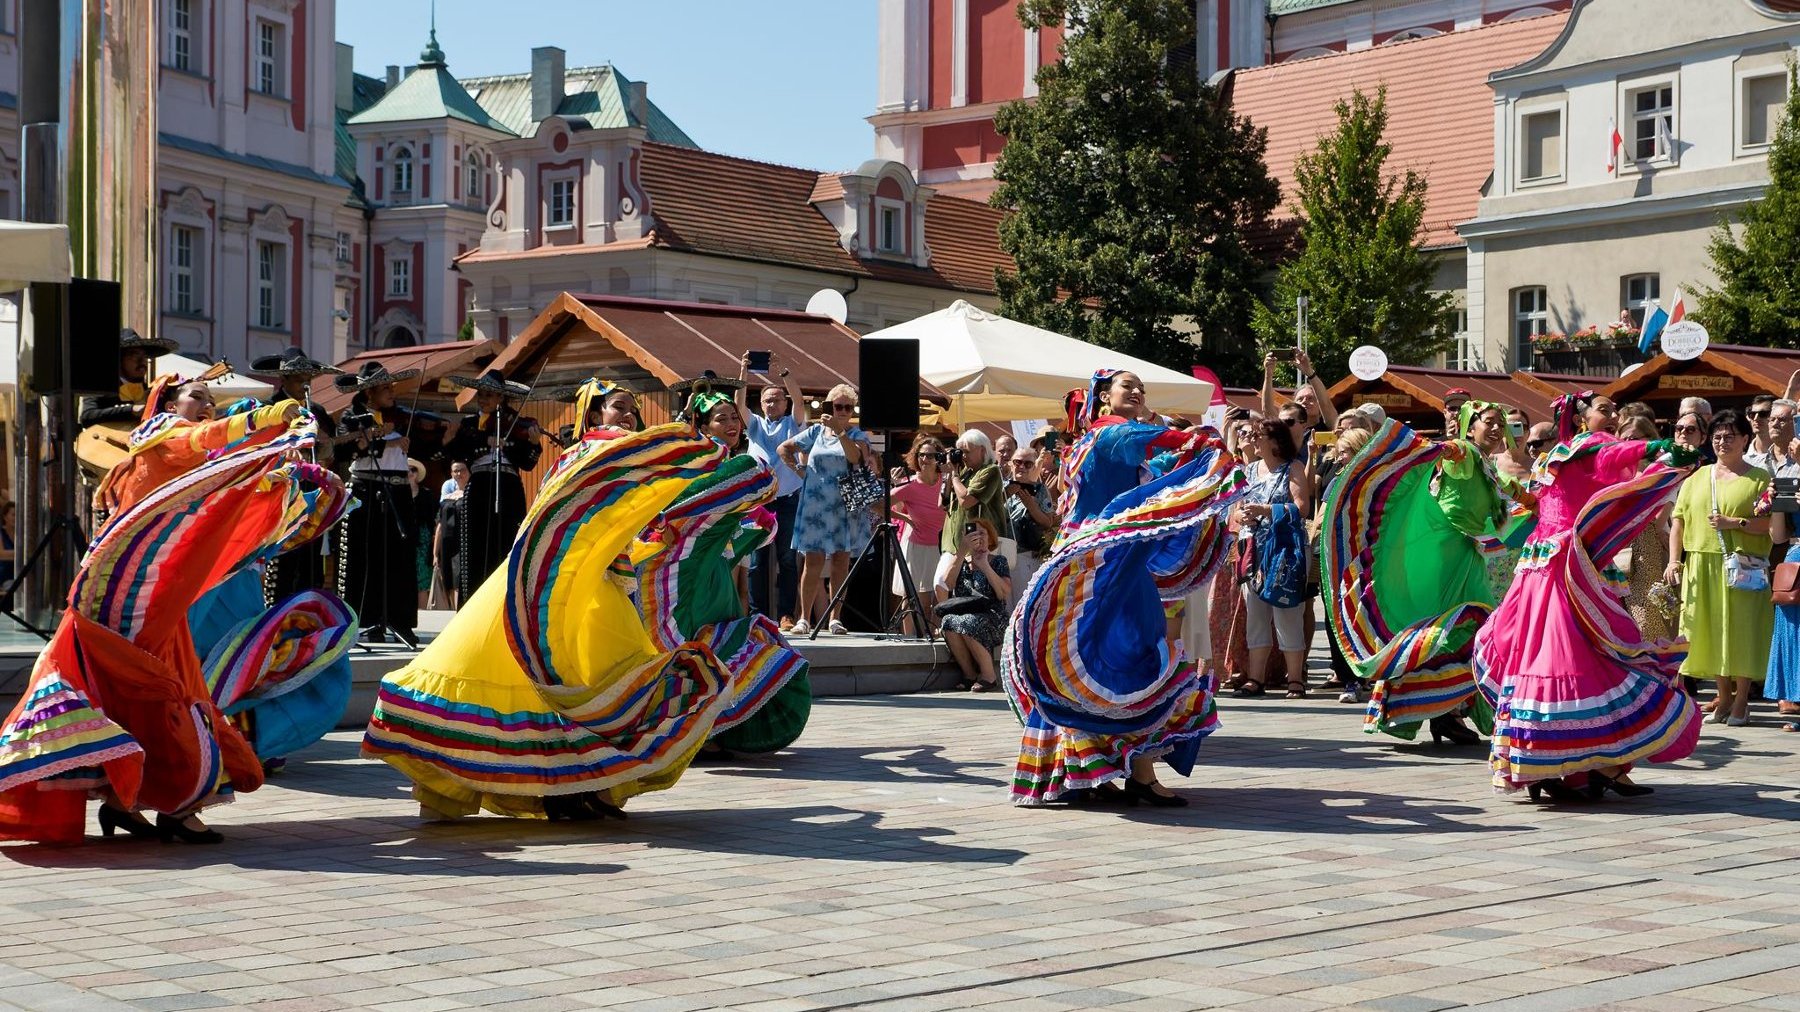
point(127, 405)
point(498, 443)
point(380, 560)
point(304, 567)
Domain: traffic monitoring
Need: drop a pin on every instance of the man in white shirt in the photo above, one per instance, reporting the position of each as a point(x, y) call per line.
point(775, 570)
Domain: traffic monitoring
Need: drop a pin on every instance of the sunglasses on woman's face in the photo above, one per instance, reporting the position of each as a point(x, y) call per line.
point(1687, 430)
point(843, 406)
point(1534, 445)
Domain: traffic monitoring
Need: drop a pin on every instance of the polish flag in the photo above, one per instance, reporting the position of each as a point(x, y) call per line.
point(1614, 141)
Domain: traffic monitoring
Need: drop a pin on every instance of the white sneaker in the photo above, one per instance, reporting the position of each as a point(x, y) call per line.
point(1350, 696)
point(801, 628)
point(1737, 721)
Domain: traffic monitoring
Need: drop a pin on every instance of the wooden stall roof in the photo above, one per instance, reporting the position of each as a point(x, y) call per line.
point(1723, 372)
point(436, 362)
point(652, 343)
point(1416, 390)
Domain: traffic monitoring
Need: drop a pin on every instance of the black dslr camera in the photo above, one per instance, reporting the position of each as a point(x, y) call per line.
point(956, 455)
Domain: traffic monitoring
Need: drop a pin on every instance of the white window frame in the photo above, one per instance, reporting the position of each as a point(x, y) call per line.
point(1639, 303)
point(1528, 321)
point(269, 309)
point(1555, 172)
point(560, 185)
point(1632, 121)
point(1741, 126)
point(472, 178)
point(186, 269)
point(268, 39)
point(183, 39)
point(344, 244)
point(399, 284)
point(884, 207)
point(401, 158)
point(1465, 352)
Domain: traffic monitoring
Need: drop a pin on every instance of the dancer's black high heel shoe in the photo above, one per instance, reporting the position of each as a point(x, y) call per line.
point(1599, 783)
point(580, 808)
point(114, 819)
point(171, 829)
point(1446, 726)
point(1558, 792)
point(1146, 793)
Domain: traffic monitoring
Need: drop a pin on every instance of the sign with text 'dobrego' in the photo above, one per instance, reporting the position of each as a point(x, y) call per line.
point(1684, 340)
point(1368, 363)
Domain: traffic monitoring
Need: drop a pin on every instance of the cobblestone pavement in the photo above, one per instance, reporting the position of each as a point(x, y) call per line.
point(878, 865)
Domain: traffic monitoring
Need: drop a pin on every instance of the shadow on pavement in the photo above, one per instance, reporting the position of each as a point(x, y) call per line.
point(919, 765)
point(1303, 810)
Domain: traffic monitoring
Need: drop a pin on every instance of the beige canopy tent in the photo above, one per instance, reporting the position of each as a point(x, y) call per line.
point(999, 370)
point(32, 252)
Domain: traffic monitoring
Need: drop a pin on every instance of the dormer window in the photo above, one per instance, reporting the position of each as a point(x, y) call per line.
point(891, 229)
point(403, 170)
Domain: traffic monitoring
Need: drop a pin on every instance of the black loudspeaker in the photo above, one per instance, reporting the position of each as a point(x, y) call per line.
point(888, 383)
point(84, 314)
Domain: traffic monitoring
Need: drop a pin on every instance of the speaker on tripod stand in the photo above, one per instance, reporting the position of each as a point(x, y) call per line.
point(888, 389)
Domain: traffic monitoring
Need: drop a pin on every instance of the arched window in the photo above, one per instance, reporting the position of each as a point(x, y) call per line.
point(400, 337)
point(402, 163)
point(472, 188)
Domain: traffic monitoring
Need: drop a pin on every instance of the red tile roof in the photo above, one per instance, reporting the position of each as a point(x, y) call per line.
point(1440, 109)
point(718, 205)
point(1763, 370)
point(1526, 391)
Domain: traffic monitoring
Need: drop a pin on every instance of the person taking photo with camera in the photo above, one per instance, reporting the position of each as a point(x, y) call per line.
point(1031, 506)
point(976, 491)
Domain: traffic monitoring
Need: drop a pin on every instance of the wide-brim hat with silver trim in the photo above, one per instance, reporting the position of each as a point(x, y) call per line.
point(493, 382)
point(152, 346)
point(292, 362)
point(371, 375)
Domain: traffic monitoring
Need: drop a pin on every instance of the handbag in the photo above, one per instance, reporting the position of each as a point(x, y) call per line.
point(861, 489)
point(973, 604)
point(1742, 571)
point(1787, 583)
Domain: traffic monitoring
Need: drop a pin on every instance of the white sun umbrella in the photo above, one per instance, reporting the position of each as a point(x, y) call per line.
point(228, 387)
point(1001, 370)
point(32, 252)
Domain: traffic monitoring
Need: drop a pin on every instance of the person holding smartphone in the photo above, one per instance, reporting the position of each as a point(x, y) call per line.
point(775, 568)
point(972, 592)
point(825, 531)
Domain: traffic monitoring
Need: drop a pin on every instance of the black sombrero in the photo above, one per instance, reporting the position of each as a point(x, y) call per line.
point(292, 362)
point(153, 346)
point(493, 382)
point(371, 375)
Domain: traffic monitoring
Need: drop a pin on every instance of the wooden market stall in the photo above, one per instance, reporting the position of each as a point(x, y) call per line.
point(1416, 395)
point(1727, 375)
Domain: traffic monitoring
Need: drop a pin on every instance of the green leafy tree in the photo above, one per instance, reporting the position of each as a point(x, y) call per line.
point(1131, 186)
point(1359, 264)
point(1758, 296)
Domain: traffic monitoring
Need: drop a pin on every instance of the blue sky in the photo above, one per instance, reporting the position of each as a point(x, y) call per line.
point(786, 81)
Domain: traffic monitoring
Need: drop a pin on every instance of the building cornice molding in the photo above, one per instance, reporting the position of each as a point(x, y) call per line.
point(1611, 212)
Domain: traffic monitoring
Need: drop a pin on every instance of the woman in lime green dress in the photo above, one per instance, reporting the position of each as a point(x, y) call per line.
point(1404, 521)
point(1723, 509)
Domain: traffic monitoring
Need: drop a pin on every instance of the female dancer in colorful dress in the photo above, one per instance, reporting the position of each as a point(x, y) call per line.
point(1484, 424)
point(1580, 695)
point(281, 669)
point(692, 587)
point(1404, 523)
point(1087, 662)
point(546, 697)
point(118, 705)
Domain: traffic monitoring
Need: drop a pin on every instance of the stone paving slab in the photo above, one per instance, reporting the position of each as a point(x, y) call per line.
point(879, 865)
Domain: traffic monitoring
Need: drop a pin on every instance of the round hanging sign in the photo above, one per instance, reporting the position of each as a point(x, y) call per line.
point(1684, 340)
point(1368, 363)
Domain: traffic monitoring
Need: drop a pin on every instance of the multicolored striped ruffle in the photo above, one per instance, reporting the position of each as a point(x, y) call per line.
point(287, 670)
point(1419, 667)
point(1086, 658)
point(151, 562)
point(57, 733)
point(686, 591)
